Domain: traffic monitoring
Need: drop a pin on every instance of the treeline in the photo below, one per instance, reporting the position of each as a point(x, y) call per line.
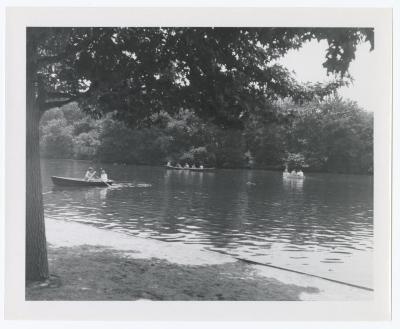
point(330, 136)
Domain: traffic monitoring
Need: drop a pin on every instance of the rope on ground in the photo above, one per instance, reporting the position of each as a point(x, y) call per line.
point(293, 271)
point(283, 268)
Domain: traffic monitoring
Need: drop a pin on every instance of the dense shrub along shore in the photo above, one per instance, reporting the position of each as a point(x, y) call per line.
point(334, 135)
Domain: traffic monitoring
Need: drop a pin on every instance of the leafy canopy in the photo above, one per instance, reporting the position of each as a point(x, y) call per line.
point(223, 74)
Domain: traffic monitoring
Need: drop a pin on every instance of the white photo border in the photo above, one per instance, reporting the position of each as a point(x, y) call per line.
point(19, 18)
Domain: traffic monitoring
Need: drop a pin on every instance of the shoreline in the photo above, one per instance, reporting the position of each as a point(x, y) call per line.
point(90, 263)
point(94, 161)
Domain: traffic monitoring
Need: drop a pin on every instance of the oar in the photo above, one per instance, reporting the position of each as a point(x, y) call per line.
point(109, 185)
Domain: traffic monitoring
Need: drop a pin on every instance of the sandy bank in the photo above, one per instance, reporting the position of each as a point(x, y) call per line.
point(98, 264)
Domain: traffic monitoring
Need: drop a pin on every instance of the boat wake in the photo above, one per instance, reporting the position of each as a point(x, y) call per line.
point(121, 185)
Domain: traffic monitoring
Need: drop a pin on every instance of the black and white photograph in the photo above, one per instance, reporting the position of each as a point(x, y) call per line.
point(191, 164)
point(200, 163)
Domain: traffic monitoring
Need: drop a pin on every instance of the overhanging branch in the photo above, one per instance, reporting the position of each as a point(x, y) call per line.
point(67, 98)
point(49, 105)
point(53, 94)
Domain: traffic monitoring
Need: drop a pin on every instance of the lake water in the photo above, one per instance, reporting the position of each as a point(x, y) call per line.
point(322, 225)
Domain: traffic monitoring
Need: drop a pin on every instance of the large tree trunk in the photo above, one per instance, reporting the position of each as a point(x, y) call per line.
point(36, 248)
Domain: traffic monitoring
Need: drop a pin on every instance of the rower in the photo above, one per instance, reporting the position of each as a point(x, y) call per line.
point(201, 167)
point(300, 173)
point(187, 165)
point(169, 164)
point(90, 174)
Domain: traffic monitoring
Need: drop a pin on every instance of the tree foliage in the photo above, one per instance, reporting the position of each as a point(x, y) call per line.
point(332, 136)
point(223, 74)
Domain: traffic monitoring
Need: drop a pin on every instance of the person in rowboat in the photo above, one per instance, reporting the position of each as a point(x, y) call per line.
point(104, 176)
point(90, 174)
point(286, 172)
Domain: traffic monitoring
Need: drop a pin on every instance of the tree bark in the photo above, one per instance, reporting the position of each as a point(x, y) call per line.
point(36, 264)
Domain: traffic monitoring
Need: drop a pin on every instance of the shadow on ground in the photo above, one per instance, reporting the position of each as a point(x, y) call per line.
point(97, 273)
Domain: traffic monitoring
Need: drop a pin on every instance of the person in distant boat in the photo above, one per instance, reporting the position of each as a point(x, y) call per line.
point(286, 172)
point(103, 175)
point(194, 166)
point(187, 165)
point(201, 167)
point(90, 174)
point(179, 165)
point(169, 164)
point(293, 172)
point(300, 173)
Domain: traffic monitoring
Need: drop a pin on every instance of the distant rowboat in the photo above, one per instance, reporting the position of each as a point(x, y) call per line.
point(292, 176)
point(189, 169)
point(66, 181)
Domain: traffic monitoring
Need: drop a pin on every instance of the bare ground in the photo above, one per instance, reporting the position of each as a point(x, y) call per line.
point(90, 272)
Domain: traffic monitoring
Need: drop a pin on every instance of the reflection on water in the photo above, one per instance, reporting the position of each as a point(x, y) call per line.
point(321, 225)
point(293, 184)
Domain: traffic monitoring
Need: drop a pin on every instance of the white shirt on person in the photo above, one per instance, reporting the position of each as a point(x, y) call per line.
point(89, 175)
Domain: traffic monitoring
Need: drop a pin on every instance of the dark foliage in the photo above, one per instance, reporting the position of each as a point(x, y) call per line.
point(330, 136)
